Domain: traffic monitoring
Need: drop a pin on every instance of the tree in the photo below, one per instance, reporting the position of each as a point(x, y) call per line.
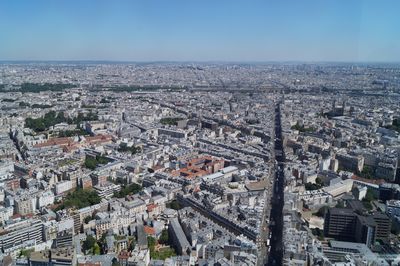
point(300, 128)
point(321, 212)
point(395, 229)
point(89, 243)
point(96, 249)
point(132, 245)
point(367, 205)
point(40, 124)
point(26, 252)
point(172, 121)
point(370, 196)
point(367, 172)
point(123, 147)
point(115, 262)
point(395, 125)
point(127, 190)
point(312, 186)
point(80, 198)
point(104, 100)
point(151, 242)
point(340, 204)
point(87, 219)
point(164, 238)
point(174, 205)
point(163, 254)
point(90, 163)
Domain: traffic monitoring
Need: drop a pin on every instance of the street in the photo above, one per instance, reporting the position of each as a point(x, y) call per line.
point(275, 255)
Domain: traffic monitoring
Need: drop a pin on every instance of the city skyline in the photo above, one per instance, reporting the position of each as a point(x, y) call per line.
point(200, 32)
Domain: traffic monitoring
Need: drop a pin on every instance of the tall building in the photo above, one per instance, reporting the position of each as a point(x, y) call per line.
point(340, 223)
point(383, 223)
point(346, 225)
point(365, 230)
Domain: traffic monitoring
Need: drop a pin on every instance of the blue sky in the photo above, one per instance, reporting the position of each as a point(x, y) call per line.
point(203, 30)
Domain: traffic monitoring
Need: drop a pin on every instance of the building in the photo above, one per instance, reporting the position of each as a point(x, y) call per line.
point(6, 213)
point(339, 188)
point(86, 182)
point(108, 190)
point(172, 133)
point(383, 227)
point(24, 205)
point(98, 180)
point(346, 225)
point(365, 230)
point(389, 191)
point(360, 192)
point(340, 224)
point(339, 250)
point(351, 163)
point(178, 237)
point(45, 198)
point(393, 207)
point(53, 257)
point(63, 187)
point(6, 169)
point(18, 235)
point(142, 242)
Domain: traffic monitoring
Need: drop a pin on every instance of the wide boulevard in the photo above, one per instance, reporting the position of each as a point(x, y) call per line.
point(275, 255)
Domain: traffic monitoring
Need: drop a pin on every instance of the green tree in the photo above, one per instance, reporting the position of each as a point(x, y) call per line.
point(26, 252)
point(367, 172)
point(87, 219)
point(164, 238)
point(163, 253)
point(174, 205)
point(302, 128)
point(312, 186)
point(50, 119)
point(96, 249)
point(123, 147)
point(80, 198)
point(395, 125)
point(318, 232)
point(88, 243)
point(172, 121)
point(395, 229)
point(115, 262)
point(92, 162)
point(340, 204)
point(321, 212)
point(128, 190)
point(37, 87)
point(151, 242)
point(370, 196)
point(132, 245)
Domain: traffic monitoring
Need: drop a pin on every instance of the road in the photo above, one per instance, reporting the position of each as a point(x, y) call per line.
point(261, 241)
point(275, 256)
